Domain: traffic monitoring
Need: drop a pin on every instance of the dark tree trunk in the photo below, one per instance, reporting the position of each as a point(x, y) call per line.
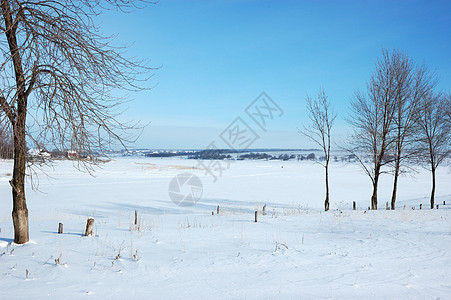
point(20, 210)
point(395, 185)
point(377, 173)
point(374, 196)
point(399, 148)
point(433, 188)
point(326, 202)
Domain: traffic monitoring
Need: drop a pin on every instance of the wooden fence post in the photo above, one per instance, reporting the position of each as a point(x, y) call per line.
point(89, 226)
point(60, 228)
point(264, 210)
point(353, 205)
point(256, 213)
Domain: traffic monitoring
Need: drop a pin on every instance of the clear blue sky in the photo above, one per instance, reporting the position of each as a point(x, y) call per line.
point(216, 56)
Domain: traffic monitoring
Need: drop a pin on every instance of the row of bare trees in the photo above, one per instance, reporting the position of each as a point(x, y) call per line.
point(434, 124)
point(399, 121)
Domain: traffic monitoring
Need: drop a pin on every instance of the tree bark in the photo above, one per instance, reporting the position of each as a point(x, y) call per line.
point(20, 210)
point(433, 188)
point(395, 185)
point(374, 196)
point(326, 202)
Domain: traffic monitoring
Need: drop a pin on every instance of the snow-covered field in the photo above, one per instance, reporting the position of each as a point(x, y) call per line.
point(296, 251)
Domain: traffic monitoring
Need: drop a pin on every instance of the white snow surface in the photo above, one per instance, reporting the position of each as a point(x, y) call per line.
point(296, 251)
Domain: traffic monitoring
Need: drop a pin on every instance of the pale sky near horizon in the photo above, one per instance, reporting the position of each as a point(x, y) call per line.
point(217, 56)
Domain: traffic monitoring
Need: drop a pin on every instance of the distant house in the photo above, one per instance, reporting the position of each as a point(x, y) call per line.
point(38, 153)
point(71, 154)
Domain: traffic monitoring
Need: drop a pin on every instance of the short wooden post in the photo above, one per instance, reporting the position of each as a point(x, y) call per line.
point(437, 206)
point(136, 217)
point(386, 206)
point(60, 228)
point(89, 227)
point(256, 213)
point(217, 210)
point(353, 205)
point(421, 206)
point(212, 213)
point(444, 203)
point(368, 208)
point(264, 210)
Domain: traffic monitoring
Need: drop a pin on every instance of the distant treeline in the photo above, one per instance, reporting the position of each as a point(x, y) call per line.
point(6, 143)
point(221, 154)
point(216, 154)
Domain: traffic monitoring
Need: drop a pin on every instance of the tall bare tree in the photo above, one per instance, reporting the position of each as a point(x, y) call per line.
point(435, 134)
point(322, 117)
point(372, 118)
point(412, 83)
point(58, 77)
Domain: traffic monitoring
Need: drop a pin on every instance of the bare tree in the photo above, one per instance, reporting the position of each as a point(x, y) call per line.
point(411, 85)
point(435, 135)
point(322, 118)
point(372, 119)
point(58, 77)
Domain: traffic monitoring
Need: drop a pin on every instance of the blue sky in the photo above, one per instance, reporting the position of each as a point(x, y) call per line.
point(217, 56)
